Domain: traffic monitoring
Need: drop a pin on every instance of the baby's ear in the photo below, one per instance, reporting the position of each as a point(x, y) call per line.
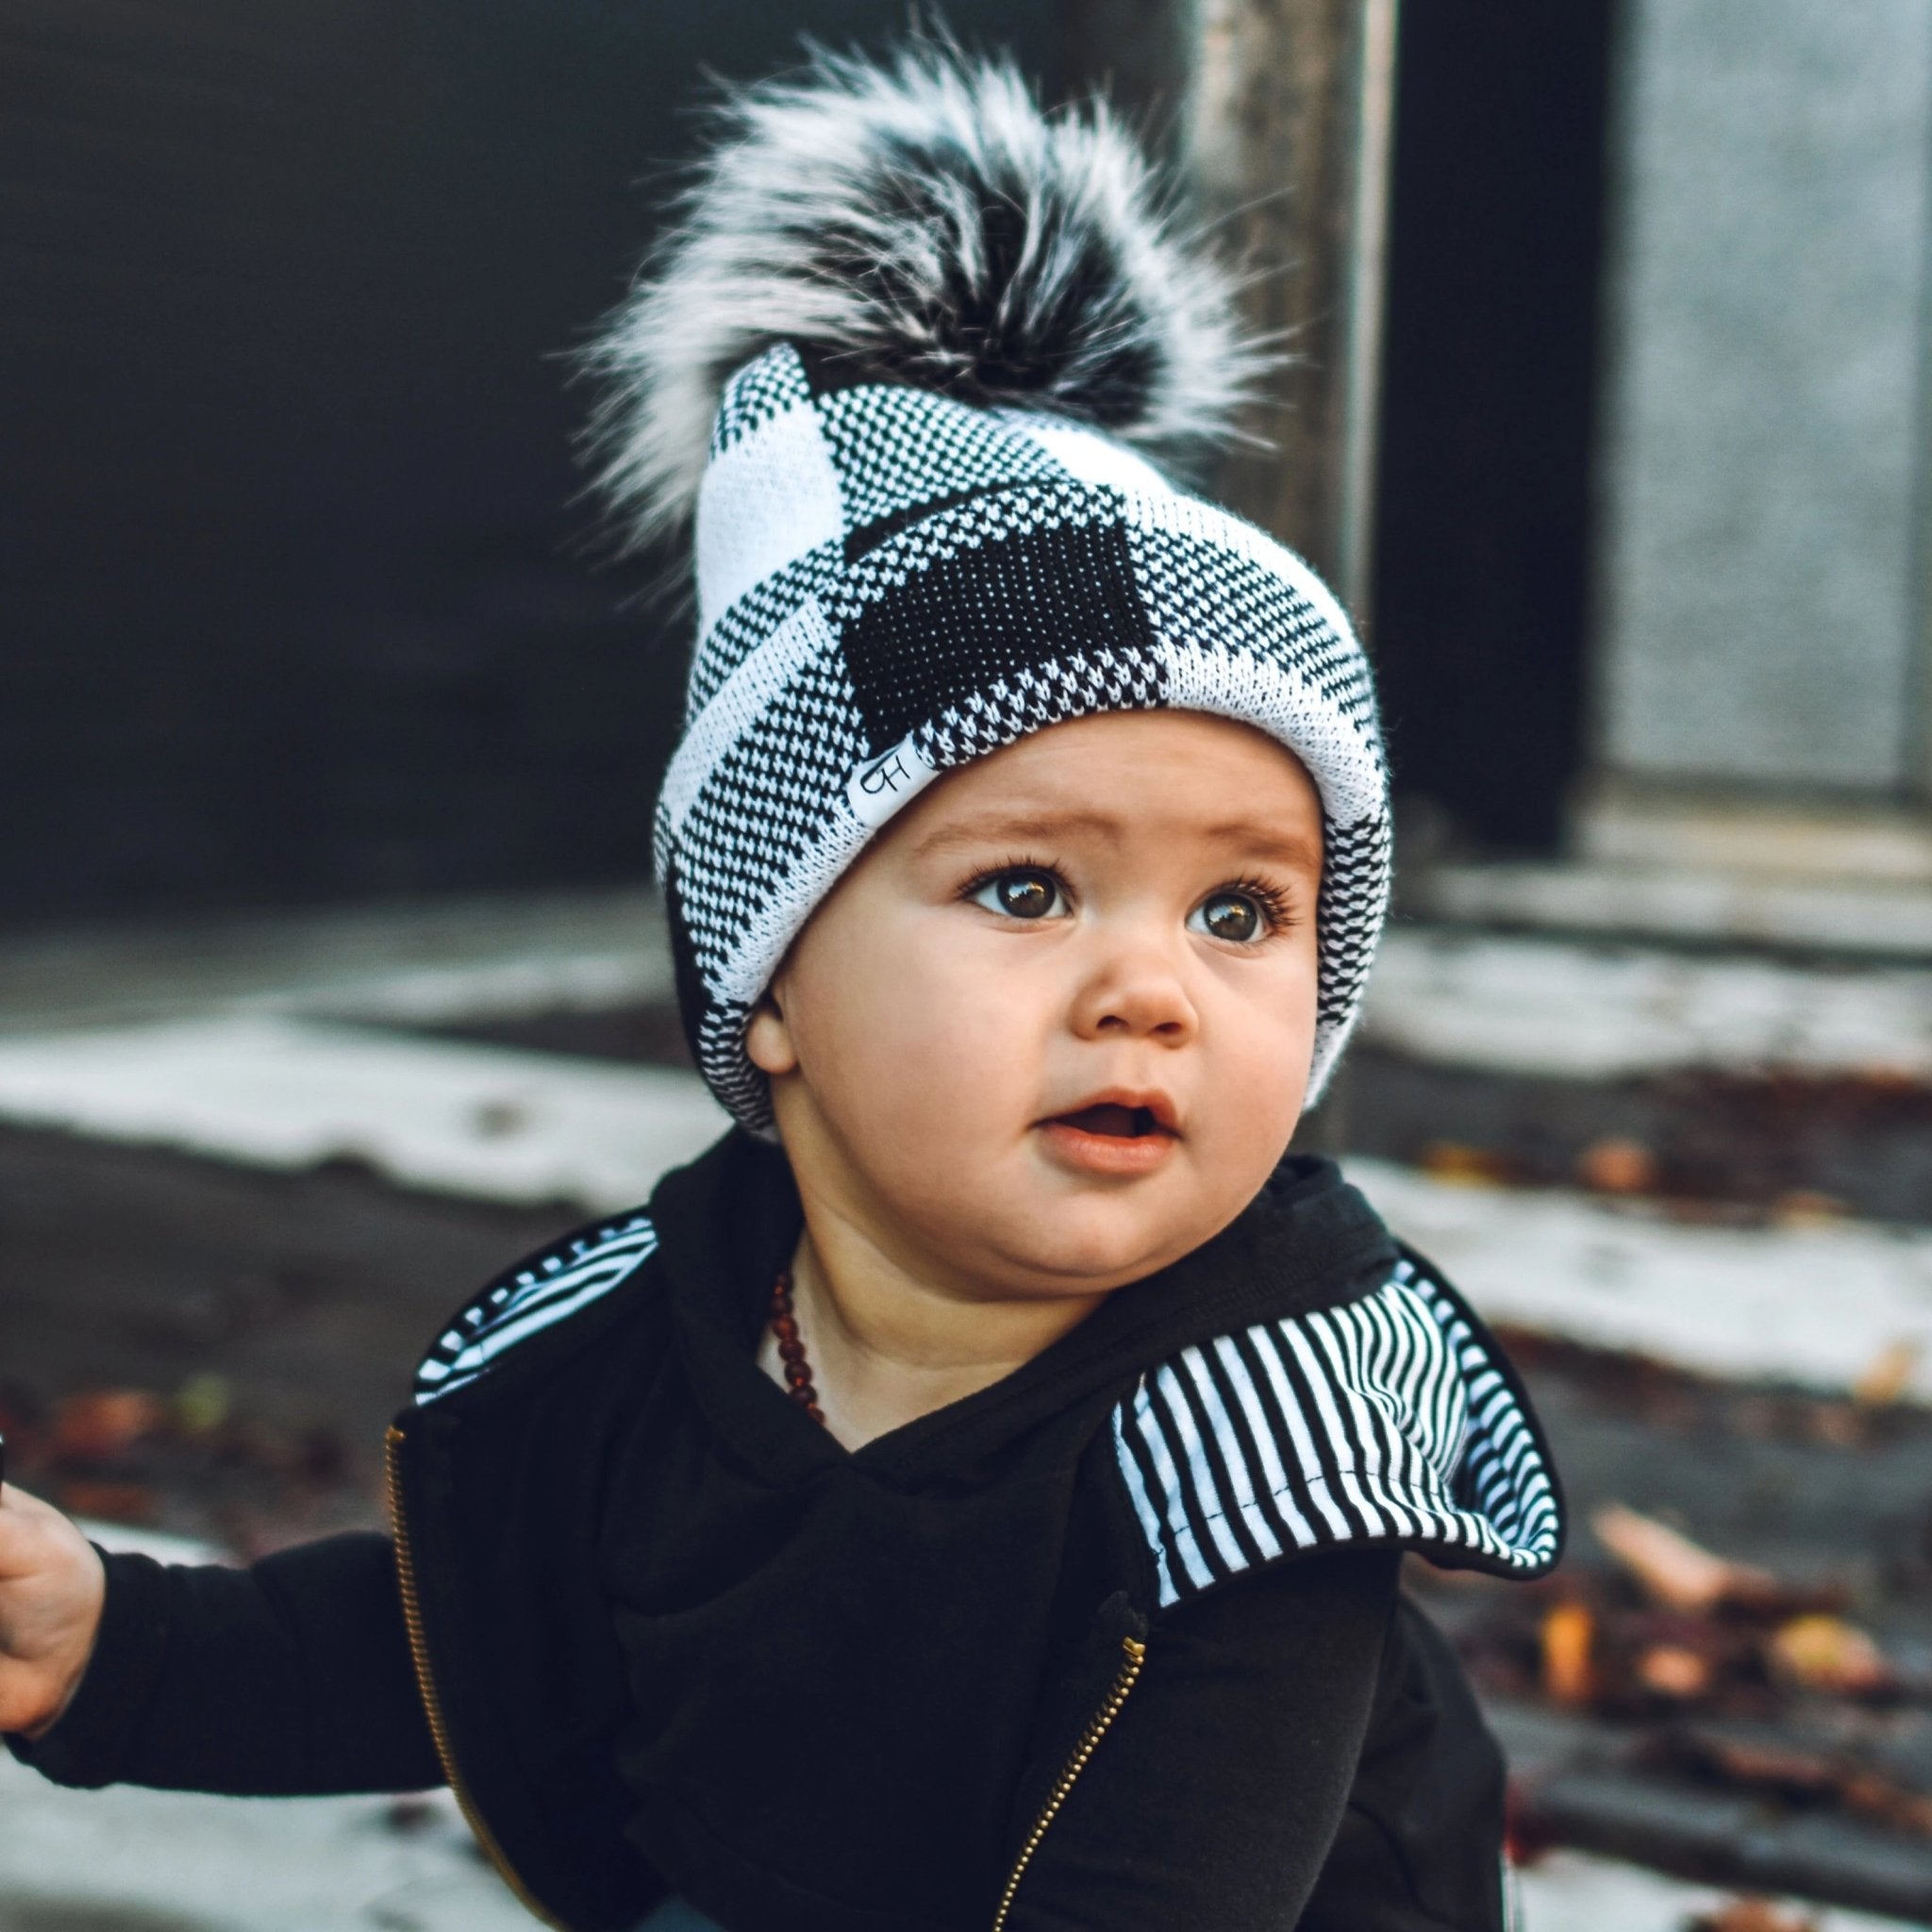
point(768, 1039)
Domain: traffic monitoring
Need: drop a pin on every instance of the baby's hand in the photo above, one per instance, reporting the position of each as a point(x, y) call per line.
point(52, 1586)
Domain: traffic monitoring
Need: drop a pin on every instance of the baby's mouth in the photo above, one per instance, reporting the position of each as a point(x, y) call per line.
point(1114, 1122)
point(1119, 1139)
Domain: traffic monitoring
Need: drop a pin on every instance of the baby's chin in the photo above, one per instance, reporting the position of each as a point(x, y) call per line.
point(1014, 1218)
point(1090, 1246)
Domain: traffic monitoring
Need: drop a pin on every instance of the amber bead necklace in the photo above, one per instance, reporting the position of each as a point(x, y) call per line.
point(792, 1348)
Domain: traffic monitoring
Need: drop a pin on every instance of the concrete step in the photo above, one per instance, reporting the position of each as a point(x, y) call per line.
point(130, 1860)
point(419, 960)
point(278, 1093)
point(1572, 1891)
point(1612, 1008)
point(1699, 904)
point(1725, 1078)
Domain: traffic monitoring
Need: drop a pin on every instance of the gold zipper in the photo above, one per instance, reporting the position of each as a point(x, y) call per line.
point(1134, 1654)
point(432, 1703)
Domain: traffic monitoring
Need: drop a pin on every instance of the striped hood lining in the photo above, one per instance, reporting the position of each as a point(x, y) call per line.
point(1389, 1419)
point(533, 1296)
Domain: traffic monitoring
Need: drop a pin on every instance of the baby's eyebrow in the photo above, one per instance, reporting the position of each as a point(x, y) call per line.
point(1265, 842)
point(1010, 829)
point(1261, 842)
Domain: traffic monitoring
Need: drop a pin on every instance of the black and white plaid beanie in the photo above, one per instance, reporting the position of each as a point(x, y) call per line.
point(900, 357)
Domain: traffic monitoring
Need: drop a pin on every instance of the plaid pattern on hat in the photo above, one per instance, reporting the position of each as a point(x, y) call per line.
point(893, 583)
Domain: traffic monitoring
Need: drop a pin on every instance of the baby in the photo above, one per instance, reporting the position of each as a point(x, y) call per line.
point(972, 1494)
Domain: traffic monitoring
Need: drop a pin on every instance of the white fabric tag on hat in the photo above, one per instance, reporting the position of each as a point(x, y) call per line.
point(881, 785)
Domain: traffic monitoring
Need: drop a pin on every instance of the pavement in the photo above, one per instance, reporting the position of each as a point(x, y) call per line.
point(128, 1860)
point(1608, 1009)
point(447, 1116)
point(1570, 1891)
point(1685, 902)
point(415, 961)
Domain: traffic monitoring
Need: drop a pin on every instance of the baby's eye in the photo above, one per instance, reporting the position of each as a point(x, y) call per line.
point(1239, 917)
point(1021, 893)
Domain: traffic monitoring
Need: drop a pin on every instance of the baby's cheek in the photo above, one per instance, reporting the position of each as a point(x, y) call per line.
point(917, 1080)
point(1258, 1081)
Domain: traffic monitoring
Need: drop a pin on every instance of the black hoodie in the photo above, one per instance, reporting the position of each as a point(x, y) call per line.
point(1113, 1645)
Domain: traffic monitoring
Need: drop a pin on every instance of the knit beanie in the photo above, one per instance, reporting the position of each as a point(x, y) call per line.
point(913, 358)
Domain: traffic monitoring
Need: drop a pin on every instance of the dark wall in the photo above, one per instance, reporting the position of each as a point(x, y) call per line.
point(1481, 610)
point(292, 603)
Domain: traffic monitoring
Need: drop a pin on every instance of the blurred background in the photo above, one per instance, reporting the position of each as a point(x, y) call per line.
point(331, 979)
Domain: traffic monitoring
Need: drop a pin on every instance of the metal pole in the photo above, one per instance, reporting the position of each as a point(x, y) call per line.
point(1368, 304)
point(1289, 141)
point(1281, 116)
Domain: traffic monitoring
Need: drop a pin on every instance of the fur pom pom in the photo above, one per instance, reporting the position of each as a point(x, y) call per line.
point(924, 221)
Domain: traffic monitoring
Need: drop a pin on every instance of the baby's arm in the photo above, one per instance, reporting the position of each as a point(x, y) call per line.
point(1231, 1776)
point(1421, 1840)
point(291, 1677)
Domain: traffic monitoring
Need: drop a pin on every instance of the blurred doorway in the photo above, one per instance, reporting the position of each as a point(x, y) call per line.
point(1480, 613)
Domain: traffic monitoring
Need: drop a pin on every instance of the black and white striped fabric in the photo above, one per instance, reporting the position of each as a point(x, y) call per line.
point(1387, 1420)
point(558, 1284)
point(892, 583)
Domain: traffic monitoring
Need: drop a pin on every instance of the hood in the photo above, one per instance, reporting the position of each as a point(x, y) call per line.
point(1300, 1381)
point(1393, 1419)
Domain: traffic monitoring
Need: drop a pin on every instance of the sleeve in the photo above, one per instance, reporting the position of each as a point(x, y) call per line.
point(292, 1677)
point(1215, 1795)
point(1420, 1844)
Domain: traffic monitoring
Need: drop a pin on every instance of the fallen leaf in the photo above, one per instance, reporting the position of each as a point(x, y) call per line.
point(1674, 1571)
point(112, 1502)
point(1888, 1374)
point(203, 1402)
point(1569, 1634)
point(1752, 1915)
point(1887, 1801)
point(1614, 1166)
point(1672, 1670)
point(106, 1422)
point(1464, 1166)
point(1825, 1653)
point(1805, 1207)
point(1761, 1758)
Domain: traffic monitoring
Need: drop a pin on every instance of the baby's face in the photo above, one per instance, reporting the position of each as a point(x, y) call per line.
point(1053, 1029)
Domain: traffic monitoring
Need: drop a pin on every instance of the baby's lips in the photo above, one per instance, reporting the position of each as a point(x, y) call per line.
point(1120, 1116)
